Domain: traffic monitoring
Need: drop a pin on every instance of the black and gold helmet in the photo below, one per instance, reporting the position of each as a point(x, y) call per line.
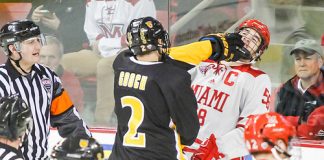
point(147, 34)
point(77, 148)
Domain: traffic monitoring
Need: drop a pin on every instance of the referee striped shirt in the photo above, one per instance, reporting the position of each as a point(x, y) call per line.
point(9, 153)
point(50, 106)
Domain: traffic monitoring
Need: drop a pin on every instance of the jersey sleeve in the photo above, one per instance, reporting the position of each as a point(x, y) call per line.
point(192, 53)
point(64, 116)
point(183, 107)
point(90, 27)
point(256, 99)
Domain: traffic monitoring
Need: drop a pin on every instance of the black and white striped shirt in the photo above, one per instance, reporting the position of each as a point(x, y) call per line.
point(9, 153)
point(50, 105)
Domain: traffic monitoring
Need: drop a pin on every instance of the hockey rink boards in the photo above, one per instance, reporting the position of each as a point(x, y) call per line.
point(308, 149)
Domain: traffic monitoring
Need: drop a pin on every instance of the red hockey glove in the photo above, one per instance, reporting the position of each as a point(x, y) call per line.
point(227, 46)
point(208, 150)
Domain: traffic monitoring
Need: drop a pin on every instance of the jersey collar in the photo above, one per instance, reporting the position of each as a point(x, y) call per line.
point(13, 73)
point(143, 62)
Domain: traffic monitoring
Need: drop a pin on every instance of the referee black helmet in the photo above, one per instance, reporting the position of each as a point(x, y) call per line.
point(18, 31)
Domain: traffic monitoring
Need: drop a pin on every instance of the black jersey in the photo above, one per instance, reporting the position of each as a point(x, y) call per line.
point(9, 153)
point(155, 108)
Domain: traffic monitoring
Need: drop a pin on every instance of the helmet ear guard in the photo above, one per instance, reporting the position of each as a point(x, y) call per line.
point(147, 34)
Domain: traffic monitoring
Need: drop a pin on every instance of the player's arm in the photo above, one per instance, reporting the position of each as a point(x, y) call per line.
point(183, 107)
point(256, 97)
point(215, 46)
point(64, 116)
point(192, 53)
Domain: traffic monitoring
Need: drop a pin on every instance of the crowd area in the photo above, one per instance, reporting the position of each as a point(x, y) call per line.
point(176, 78)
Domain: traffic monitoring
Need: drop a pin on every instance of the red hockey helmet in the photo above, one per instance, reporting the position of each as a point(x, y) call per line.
point(261, 28)
point(263, 130)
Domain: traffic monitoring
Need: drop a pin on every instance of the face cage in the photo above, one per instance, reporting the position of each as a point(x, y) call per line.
point(252, 46)
point(292, 153)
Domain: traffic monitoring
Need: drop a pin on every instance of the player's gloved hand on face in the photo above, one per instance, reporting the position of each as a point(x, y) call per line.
point(208, 150)
point(226, 46)
point(307, 110)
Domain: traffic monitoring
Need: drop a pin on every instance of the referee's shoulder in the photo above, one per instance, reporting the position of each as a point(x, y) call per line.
point(42, 67)
point(43, 70)
point(3, 71)
point(2, 66)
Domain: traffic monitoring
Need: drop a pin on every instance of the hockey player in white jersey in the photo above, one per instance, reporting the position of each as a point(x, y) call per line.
point(227, 93)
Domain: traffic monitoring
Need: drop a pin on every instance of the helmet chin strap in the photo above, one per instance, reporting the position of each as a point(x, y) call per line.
point(17, 63)
point(160, 50)
point(245, 53)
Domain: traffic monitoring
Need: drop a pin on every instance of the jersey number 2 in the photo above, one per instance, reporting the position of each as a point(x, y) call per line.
point(133, 138)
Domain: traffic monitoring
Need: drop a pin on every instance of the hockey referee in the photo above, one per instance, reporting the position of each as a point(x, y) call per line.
point(38, 86)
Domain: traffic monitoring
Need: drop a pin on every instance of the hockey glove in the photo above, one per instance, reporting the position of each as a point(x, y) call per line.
point(208, 150)
point(226, 46)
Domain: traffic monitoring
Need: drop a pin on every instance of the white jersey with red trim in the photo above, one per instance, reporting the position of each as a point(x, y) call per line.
point(227, 93)
point(107, 21)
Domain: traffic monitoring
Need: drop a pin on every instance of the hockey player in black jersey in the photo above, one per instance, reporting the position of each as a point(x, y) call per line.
point(15, 118)
point(154, 103)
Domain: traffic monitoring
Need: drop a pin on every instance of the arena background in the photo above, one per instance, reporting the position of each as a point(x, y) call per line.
point(187, 20)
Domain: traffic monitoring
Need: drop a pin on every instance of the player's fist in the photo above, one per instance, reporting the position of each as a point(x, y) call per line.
point(226, 46)
point(208, 150)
